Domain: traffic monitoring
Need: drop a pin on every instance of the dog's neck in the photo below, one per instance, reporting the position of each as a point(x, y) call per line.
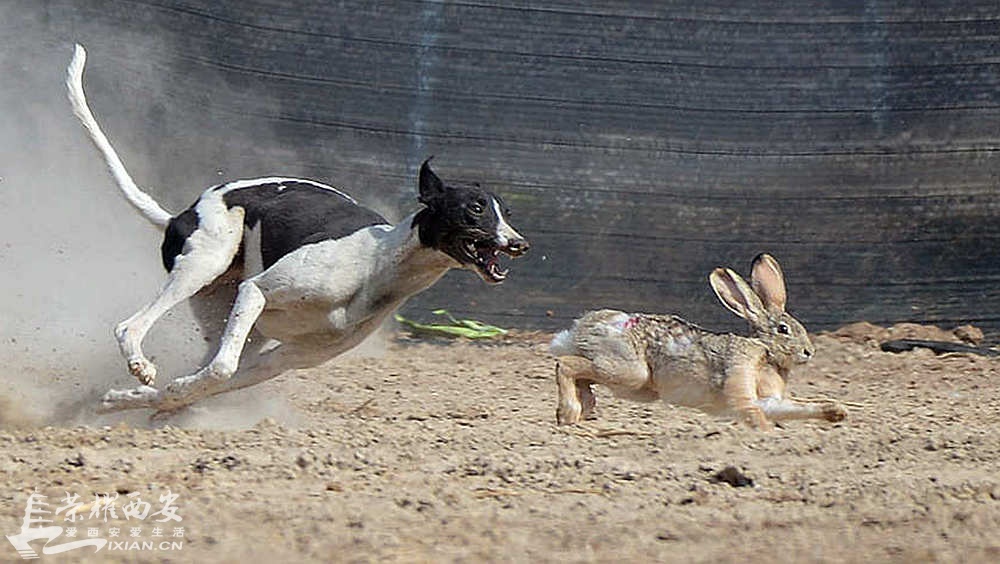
point(414, 266)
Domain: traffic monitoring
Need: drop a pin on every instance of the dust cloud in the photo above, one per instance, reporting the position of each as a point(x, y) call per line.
point(75, 258)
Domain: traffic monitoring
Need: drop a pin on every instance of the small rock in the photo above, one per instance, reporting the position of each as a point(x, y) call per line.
point(77, 461)
point(229, 462)
point(666, 536)
point(733, 476)
point(302, 462)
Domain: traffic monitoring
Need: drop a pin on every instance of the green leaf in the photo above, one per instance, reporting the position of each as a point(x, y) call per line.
point(467, 328)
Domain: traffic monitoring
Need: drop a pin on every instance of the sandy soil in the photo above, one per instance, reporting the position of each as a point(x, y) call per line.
point(448, 452)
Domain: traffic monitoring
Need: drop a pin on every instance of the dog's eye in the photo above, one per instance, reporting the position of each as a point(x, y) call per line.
point(784, 329)
point(477, 207)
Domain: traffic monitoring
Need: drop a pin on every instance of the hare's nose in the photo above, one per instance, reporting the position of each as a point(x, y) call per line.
point(807, 353)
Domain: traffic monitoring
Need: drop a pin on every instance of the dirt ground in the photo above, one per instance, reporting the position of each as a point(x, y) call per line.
point(441, 451)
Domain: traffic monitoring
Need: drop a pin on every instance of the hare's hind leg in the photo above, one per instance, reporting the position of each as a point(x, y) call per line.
point(576, 399)
point(576, 374)
point(777, 408)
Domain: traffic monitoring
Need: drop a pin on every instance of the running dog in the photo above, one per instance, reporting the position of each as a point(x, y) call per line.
point(303, 270)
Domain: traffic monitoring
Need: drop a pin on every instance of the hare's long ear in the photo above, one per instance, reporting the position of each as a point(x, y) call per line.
point(768, 282)
point(737, 295)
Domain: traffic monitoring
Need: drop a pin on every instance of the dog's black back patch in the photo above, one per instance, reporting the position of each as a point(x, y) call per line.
point(178, 230)
point(288, 213)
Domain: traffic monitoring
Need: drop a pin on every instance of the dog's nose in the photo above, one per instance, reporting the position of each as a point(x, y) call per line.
point(518, 247)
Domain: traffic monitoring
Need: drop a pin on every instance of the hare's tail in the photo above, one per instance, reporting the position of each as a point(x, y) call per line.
point(562, 344)
point(142, 201)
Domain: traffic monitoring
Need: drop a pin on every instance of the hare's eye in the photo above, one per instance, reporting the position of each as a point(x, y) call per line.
point(784, 329)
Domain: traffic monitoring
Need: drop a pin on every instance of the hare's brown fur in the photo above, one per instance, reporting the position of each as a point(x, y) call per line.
point(648, 357)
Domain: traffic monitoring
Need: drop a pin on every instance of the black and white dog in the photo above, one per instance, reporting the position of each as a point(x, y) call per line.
point(300, 264)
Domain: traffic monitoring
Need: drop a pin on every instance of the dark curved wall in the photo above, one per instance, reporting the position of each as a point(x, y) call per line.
point(640, 144)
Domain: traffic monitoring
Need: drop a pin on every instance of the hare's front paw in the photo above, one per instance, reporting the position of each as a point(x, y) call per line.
point(834, 412)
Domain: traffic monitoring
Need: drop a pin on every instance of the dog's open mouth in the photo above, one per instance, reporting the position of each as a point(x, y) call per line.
point(485, 256)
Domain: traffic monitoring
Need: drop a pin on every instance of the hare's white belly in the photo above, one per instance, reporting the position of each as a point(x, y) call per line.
point(688, 381)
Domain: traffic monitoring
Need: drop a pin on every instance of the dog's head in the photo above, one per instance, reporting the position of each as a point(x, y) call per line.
point(468, 223)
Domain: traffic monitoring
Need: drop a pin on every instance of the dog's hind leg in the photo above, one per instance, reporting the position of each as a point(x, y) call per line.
point(247, 308)
point(208, 252)
point(191, 389)
point(211, 307)
point(249, 304)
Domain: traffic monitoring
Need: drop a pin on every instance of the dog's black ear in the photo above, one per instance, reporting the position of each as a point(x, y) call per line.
point(431, 187)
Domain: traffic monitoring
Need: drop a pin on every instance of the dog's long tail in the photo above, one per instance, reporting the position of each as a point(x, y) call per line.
point(142, 201)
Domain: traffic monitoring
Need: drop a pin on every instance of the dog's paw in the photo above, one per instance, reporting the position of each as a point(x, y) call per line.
point(120, 400)
point(143, 370)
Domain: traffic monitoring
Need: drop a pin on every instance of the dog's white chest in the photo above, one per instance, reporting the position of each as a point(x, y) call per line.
point(343, 286)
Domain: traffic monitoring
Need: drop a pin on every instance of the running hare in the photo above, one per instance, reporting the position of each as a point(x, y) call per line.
point(647, 357)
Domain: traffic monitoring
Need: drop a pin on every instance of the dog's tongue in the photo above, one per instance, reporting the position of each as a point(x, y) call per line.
point(493, 266)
